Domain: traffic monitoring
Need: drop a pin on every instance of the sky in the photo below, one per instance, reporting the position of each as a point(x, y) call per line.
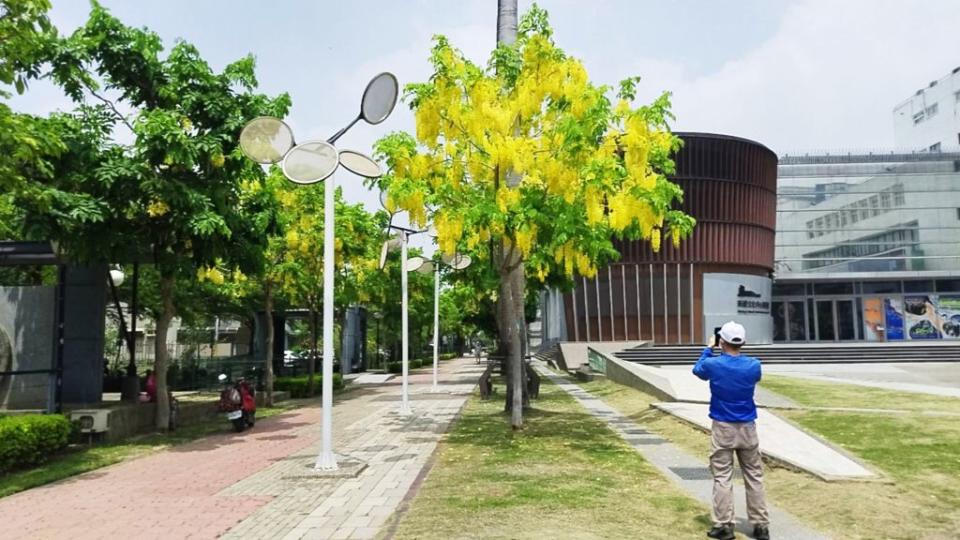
point(796, 75)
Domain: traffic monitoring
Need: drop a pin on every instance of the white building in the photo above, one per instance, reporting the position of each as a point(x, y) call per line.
point(929, 121)
point(867, 247)
point(868, 214)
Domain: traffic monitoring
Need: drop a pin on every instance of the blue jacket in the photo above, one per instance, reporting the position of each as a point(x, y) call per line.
point(732, 382)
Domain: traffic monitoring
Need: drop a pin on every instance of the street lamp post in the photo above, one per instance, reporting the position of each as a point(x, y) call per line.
point(268, 140)
point(415, 264)
point(456, 262)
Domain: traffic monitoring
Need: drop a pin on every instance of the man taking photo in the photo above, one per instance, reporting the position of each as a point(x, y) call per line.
point(733, 378)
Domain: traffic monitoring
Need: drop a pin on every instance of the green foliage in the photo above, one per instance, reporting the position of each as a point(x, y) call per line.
point(31, 439)
point(413, 363)
point(25, 31)
point(299, 387)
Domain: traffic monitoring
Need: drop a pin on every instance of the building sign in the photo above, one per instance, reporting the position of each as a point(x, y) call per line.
point(744, 298)
point(750, 301)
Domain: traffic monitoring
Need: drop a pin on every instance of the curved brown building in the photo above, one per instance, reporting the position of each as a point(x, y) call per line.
point(721, 272)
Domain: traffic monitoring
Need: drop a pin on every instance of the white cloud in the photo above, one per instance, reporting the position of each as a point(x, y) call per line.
point(828, 79)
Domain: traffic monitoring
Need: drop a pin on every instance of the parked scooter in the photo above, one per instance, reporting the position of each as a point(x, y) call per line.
point(239, 402)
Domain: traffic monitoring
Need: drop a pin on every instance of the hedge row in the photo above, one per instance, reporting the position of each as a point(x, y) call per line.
point(299, 386)
point(397, 367)
point(31, 438)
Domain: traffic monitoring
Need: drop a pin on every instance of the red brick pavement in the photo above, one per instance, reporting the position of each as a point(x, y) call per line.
point(171, 494)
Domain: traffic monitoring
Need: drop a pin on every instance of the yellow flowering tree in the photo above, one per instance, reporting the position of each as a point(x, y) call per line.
point(296, 263)
point(530, 167)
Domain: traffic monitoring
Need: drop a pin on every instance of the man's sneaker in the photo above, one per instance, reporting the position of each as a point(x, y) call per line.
point(722, 532)
point(761, 532)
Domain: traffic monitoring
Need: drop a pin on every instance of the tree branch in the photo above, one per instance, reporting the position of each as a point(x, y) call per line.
point(113, 107)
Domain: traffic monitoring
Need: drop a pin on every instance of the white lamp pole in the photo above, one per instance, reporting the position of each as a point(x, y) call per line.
point(268, 140)
point(327, 460)
point(405, 401)
point(436, 325)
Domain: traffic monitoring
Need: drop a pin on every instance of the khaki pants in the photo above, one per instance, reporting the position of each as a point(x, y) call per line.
point(726, 439)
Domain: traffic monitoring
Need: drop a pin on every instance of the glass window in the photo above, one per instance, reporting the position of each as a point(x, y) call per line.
point(918, 286)
point(885, 199)
point(898, 197)
point(948, 285)
point(788, 289)
point(881, 287)
point(834, 288)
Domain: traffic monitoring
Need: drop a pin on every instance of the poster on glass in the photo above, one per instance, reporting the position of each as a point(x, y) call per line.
point(922, 319)
point(949, 309)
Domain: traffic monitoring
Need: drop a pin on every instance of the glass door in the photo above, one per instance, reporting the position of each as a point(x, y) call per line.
point(826, 330)
point(779, 321)
point(846, 320)
point(796, 321)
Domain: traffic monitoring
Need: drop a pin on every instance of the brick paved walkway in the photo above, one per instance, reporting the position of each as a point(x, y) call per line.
point(251, 485)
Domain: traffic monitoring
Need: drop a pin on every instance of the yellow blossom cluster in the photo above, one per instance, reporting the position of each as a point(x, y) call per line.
point(157, 208)
point(568, 256)
point(509, 155)
point(449, 231)
point(211, 274)
point(524, 239)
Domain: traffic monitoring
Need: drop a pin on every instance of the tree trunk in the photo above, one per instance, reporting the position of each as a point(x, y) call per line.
point(511, 295)
point(268, 361)
point(312, 363)
point(506, 21)
point(519, 299)
point(161, 356)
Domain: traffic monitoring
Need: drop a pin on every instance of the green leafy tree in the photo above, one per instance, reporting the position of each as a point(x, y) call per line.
point(529, 165)
point(172, 194)
point(300, 270)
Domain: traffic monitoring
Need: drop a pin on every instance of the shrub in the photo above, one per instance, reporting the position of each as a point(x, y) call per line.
point(31, 438)
point(414, 363)
point(299, 386)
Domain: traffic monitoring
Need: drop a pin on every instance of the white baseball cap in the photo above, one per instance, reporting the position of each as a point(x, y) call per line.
point(733, 333)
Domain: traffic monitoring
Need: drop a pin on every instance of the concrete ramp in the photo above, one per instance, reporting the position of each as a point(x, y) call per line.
point(785, 443)
point(574, 353)
point(669, 383)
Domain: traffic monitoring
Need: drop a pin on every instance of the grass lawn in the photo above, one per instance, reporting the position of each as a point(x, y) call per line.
point(920, 453)
point(80, 458)
point(565, 475)
point(828, 394)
